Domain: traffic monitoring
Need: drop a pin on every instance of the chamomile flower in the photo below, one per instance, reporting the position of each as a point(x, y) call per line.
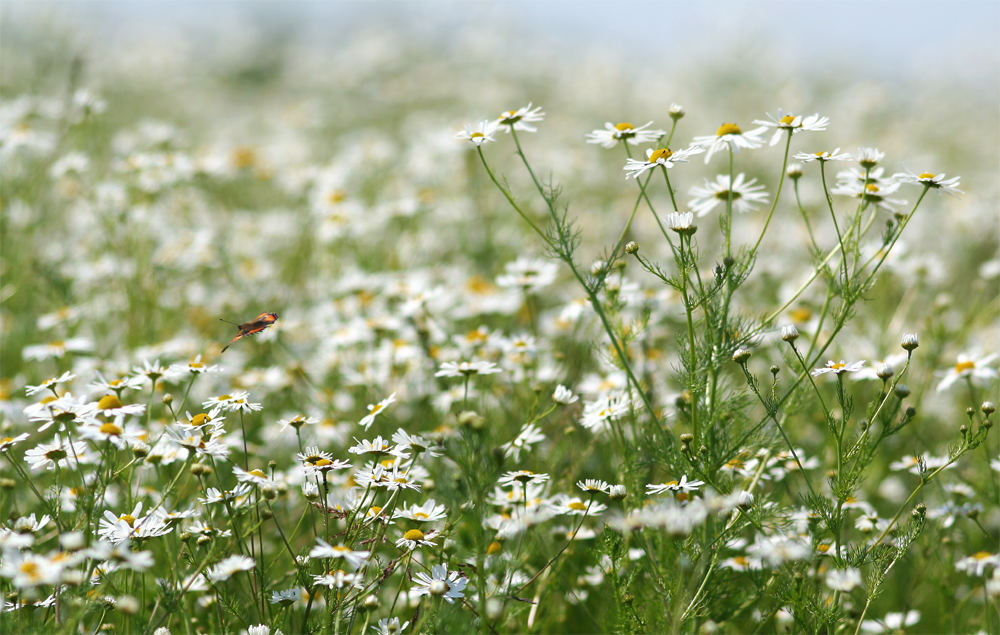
point(228, 567)
point(574, 506)
point(838, 368)
point(254, 477)
point(354, 558)
point(891, 623)
point(117, 386)
point(529, 274)
point(823, 156)
point(843, 579)
point(413, 539)
point(746, 195)
point(520, 119)
point(111, 406)
point(659, 157)
point(594, 486)
point(479, 134)
point(522, 477)
point(377, 446)
point(63, 453)
point(563, 395)
point(931, 180)
point(869, 157)
point(529, 435)
point(467, 369)
point(793, 123)
point(977, 563)
point(57, 349)
point(428, 512)
point(339, 579)
point(624, 131)
point(376, 409)
point(389, 626)
point(49, 383)
point(875, 192)
point(729, 135)
point(194, 367)
point(684, 486)
point(6, 443)
point(598, 415)
point(443, 583)
point(975, 368)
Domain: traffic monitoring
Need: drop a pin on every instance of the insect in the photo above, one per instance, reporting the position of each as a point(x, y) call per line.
point(252, 327)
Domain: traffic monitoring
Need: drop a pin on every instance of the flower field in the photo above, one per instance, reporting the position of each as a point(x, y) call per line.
point(382, 334)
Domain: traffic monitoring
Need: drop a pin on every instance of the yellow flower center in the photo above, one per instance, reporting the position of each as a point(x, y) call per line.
point(48, 399)
point(741, 560)
point(196, 365)
point(823, 548)
point(110, 429)
point(728, 128)
point(420, 515)
point(128, 518)
point(926, 175)
point(624, 126)
point(29, 568)
point(6, 440)
point(800, 315)
point(109, 402)
point(200, 419)
point(57, 344)
point(322, 462)
point(670, 483)
point(243, 157)
point(477, 135)
point(413, 534)
point(577, 505)
point(982, 555)
point(115, 382)
point(871, 187)
point(494, 548)
point(787, 120)
point(257, 473)
point(966, 365)
point(660, 153)
point(837, 366)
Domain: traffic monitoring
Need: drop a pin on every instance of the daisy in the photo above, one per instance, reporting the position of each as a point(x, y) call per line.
point(57, 349)
point(563, 395)
point(875, 192)
point(660, 156)
point(297, 422)
point(375, 409)
point(284, 597)
point(971, 367)
point(869, 157)
point(681, 222)
point(574, 506)
point(823, 156)
point(194, 367)
point(237, 496)
point(353, 558)
point(413, 539)
point(977, 563)
point(843, 579)
point(131, 526)
point(684, 486)
point(318, 461)
point(49, 383)
point(129, 382)
point(254, 477)
point(228, 567)
point(405, 442)
point(111, 406)
point(931, 180)
point(529, 435)
point(112, 433)
point(521, 477)
point(430, 511)
point(597, 415)
point(730, 136)
point(339, 579)
point(776, 550)
point(594, 486)
point(793, 123)
point(65, 454)
point(624, 131)
point(389, 626)
point(838, 368)
point(520, 119)
point(378, 446)
point(479, 134)
point(6, 443)
point(891, 623)
point(466, 369)
point(528, 274)
point(151, 371)
point(745, 195)
point(448, 584)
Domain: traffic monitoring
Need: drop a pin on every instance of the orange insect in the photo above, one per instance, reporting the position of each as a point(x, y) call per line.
point(252, 327)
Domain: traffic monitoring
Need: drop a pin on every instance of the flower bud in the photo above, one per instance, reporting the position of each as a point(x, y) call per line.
point(741, 355)
point(789, 333)
point(910, 341)
point(631, 247)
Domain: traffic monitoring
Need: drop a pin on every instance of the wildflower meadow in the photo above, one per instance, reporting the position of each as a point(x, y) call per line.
point(390, 331)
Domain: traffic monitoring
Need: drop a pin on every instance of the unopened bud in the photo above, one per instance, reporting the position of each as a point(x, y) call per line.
point(741, 355)
point(789, 333)
point(631, 247)
point(910, 341)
